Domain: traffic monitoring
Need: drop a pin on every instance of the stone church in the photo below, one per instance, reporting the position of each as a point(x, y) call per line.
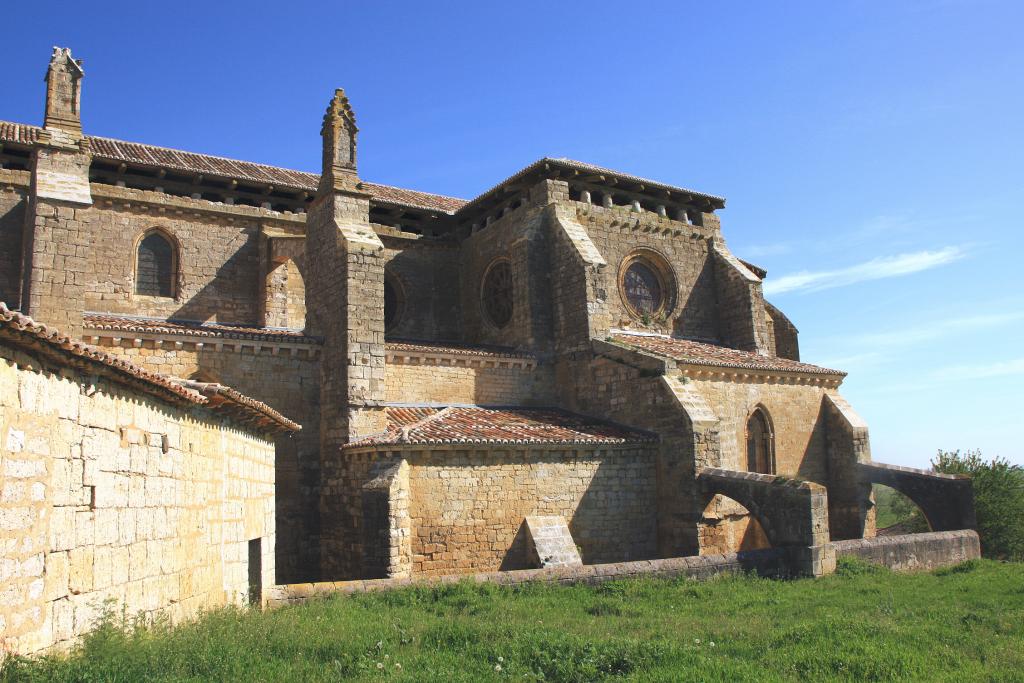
point(570, 367)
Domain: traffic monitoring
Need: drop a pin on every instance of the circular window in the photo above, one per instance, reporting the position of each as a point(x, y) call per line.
point(645, 284)
point(394, 302)
point(496, 294)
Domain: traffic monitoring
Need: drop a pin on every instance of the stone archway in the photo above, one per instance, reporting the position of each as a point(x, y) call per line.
point(793, 513)
point(945, 500)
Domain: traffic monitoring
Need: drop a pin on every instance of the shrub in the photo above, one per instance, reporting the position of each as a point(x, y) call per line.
point(998, 500)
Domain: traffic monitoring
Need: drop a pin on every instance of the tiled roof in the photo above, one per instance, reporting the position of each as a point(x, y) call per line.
point(453, 348)
point(190, 162)
point(698, 353)
point(18, 132)
point(23, 332)
point(131, 324)
point(427, 425)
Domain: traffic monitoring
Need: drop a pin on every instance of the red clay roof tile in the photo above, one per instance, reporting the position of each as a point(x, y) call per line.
point(698, 353)
point(427, 425)
point(130, 324)
point(163, 157)
point(22, 332)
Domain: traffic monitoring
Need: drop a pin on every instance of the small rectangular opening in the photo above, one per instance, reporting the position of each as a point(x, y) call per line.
point(255, 571)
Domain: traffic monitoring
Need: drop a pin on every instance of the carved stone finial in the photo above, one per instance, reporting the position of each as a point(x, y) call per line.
point(339, 133)
point(64, 91)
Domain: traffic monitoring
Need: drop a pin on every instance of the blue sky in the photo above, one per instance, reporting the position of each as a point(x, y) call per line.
point(871, 152)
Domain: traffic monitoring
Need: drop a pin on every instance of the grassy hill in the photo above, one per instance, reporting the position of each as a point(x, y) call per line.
point(960, 624)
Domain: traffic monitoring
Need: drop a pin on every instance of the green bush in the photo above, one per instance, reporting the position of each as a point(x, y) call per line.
point(998, 500)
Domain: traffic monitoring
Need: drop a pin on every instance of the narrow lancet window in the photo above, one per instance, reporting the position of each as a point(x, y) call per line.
point(760, 444)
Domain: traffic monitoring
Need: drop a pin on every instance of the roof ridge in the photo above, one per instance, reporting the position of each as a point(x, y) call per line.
point(58, 345)
point(313, 176)
point(406, 430)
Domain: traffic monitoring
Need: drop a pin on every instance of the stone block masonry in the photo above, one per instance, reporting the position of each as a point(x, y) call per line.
point(467, 507)
point(551, 543)
point(119, 486)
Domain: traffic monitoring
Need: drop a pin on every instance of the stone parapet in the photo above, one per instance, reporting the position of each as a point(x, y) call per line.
point(769, 562)
point(913, 551)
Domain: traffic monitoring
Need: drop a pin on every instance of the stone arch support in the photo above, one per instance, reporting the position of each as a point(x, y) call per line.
point(793, 514)
point(946, 500)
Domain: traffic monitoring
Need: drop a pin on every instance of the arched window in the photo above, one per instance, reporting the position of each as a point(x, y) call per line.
point(647, 285)
point(154, 266)
point(760, 443)
point(496, 293)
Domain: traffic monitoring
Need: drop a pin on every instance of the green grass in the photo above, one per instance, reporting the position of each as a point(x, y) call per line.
point(892, 507)
point(862, 624)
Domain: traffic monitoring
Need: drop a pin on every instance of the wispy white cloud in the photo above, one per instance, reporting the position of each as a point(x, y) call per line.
point(875, 269)
point(936, 329)
point(956, 373)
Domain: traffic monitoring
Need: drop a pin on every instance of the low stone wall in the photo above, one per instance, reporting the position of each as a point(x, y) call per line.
point(768, 562)
point(914, 551)
point(900, 553)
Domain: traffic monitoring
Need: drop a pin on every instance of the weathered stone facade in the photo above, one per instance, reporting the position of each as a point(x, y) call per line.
point(342, 303)
point(122, 490)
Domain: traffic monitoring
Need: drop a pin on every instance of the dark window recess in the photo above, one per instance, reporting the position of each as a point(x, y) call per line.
point(154, 274)
point(643, 288)
point(760, 444)
point(394, 303)
point(497, 294)
point(255, 571)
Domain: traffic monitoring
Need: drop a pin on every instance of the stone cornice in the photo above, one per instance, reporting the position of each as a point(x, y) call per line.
point(184, 342)
point(749, 376)
point(458, 359)
point(627, 220)
point(149, 201)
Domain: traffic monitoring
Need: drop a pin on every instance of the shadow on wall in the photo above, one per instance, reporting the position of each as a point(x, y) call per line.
point(233, 295)
point(814, 463)
point(608, 500)
point(696, 319)
point(727, 527)
point(290, 386)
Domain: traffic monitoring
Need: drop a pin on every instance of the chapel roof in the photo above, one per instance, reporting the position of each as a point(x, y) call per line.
point(164, 157)
point(439, 425)
point(22, 332)
point(700, 353)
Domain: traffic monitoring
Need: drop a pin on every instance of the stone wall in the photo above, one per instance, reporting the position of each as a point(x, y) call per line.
point(770, 562)
point(283, 256)
point(460, 379)
point(13, 188)
point(426, 275)
point(218, 263)
point(743, 323)
point(520, 237)
point(796, 415)
point(110, 494)
point(913, 551)
point(642, 391)
point(287, 382)
point(618, 232)
point(467, 507)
